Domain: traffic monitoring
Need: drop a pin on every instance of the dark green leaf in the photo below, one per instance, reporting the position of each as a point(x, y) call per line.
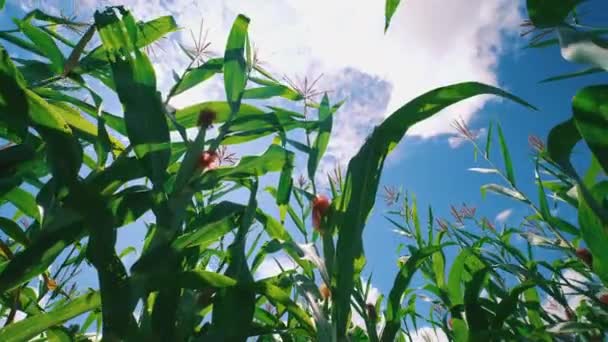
point(135, 80)
point(545, 14)
point(33, 326)
point(590, 107)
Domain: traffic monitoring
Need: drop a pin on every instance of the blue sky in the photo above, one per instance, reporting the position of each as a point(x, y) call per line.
point(425, 48)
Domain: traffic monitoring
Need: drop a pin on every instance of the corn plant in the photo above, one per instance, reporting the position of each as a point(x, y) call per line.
point(78, 173)
point(494, 288)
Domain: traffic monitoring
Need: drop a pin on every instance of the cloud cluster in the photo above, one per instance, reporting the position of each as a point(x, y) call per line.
point(431, 43)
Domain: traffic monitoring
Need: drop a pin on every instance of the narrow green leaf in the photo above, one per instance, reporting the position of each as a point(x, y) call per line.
point(322, 140)
point(489, 141)
point(32, 326)
point(235, 66)
point(45, 43)
point(506, 156)
point(389, 11)
point(585, 72)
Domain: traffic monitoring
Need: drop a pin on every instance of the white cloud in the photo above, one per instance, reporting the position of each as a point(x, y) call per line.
point(574, 300)
point(428, 334)
point(424, 48)
point(372, 297)
point(503, 216)
point(272, 264)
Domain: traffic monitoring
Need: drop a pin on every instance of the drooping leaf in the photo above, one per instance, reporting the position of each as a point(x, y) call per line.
point(363, 176)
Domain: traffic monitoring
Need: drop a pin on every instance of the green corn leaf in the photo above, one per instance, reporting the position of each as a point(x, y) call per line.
point(402, 281)
point(455, 292)
point(585, 72)
point(590, 107)
point(322, 140)
point(561, 141)
point(235, 66)
point(220, 220)
point(508, 305)
point(12, 230)
point(61, 229)
point(389, 11)
point(489, 141)
point(363, 175)
point(33, 326)
point(45, 43)
point(544, 14)
point(501, 190)
point(188, 117)
point(593, 229)
point(506, 156)
point(285, 187)
point(277, 296)
point(235, 306)
point(477, 318)
point(270, 91)
point(273, 160)
point(135, 80)
point(24, 201)
point(148, 33)
point(12, 96)
point(39, 255)
point(196, 76)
